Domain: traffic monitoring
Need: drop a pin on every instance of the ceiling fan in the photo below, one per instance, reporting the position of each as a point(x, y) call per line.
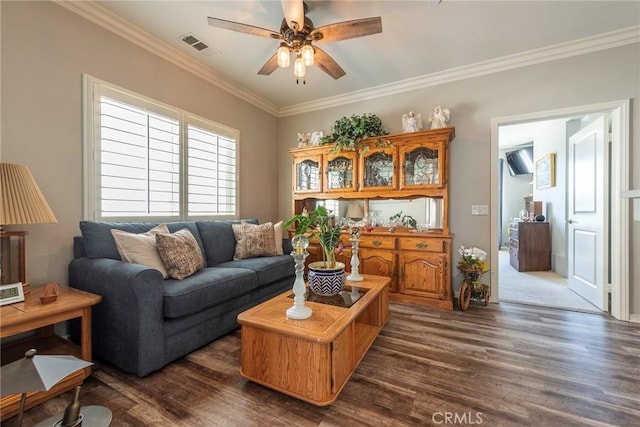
point(297, 35)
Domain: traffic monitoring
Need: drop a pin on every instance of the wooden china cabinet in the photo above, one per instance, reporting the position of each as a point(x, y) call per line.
point(415, 165)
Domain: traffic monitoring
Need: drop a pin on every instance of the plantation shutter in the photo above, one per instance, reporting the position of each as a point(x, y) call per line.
point(211, 174)
point(148, 161)
point(139, 161)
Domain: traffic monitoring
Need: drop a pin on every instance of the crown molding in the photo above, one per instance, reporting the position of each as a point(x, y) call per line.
point(114, 23)
point(577, 47)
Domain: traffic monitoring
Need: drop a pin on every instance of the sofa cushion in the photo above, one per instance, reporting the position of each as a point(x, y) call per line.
point(180, 253)
point(141, 248)
point(206, 288)
point(218, 240)
point(254, 240)
point(100, 243)
point(269, 269)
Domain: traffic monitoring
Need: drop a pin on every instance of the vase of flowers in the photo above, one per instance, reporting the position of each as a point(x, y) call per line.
point(472, 265)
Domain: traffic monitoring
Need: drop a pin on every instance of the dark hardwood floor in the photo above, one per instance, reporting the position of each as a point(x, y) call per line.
point(501, 365)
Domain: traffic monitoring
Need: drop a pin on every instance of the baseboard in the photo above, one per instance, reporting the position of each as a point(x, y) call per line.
point(635, 318)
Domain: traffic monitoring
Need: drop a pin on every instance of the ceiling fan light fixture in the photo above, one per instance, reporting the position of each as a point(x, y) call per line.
point(307, 55)
point(297, 36)
point(284, 56)
point(299, 69)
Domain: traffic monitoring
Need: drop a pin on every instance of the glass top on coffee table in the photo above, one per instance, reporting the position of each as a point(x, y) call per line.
point(346, 298)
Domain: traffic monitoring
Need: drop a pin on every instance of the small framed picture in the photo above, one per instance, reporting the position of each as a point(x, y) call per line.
point(11, 293)
point(546, 171)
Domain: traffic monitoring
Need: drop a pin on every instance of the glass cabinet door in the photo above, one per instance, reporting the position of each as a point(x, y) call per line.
point(421, 165)
point(340, 172)
point(306, 174)
point(377, 169)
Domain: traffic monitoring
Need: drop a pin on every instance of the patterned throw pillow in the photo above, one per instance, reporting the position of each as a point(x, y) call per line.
point(254, 240)
point(180, 253)
point(141, 248)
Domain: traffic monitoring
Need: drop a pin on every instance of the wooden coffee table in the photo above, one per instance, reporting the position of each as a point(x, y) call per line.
point(312, 359)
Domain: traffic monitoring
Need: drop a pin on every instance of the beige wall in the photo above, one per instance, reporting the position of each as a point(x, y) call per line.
point(598, 77)
point(45, 50)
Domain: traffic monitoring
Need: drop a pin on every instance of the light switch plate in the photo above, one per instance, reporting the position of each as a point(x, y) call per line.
point(479, 210)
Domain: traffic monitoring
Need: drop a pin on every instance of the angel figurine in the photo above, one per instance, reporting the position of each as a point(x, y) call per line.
point(411, 122)
point(439, 117)
point(303, 139)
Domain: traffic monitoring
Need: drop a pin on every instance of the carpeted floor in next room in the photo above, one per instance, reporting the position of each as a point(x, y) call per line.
point(544, 288)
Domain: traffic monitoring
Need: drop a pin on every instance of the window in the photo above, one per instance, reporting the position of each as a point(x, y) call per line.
point(145, 161)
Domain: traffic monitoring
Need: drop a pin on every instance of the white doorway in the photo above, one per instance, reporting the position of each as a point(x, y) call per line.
point(619, 112)
point(534, 269)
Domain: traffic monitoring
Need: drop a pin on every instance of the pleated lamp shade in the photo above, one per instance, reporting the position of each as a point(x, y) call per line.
point(22, 200)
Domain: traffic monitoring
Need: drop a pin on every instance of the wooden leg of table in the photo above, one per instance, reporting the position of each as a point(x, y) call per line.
point(85, 334)
point(85, 338)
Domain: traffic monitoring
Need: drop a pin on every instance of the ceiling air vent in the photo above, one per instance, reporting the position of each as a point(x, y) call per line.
point(197, 44)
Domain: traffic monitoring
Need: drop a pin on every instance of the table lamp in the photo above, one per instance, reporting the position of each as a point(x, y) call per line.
point(22, 203)
point(355, 213)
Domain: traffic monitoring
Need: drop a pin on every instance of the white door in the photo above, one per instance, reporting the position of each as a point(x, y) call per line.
point(587, 213)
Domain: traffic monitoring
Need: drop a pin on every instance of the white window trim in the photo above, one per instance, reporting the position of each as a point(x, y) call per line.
point(93, 89)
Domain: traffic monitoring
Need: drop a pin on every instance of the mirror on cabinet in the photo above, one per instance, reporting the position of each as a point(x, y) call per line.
point(427, 211)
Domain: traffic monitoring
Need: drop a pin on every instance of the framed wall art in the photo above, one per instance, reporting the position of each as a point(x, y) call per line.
point(546, 171)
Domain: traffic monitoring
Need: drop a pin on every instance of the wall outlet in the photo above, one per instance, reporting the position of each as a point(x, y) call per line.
point(479, 210)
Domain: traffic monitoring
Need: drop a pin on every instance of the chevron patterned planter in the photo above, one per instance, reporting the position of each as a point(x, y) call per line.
point(326, 281)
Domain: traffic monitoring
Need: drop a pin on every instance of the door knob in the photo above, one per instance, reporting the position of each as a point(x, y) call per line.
point(572, 222)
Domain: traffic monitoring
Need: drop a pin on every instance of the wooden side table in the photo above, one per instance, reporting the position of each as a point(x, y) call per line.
point(32, 315)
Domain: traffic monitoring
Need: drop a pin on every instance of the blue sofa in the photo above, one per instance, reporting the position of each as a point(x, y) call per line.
point(144, 321)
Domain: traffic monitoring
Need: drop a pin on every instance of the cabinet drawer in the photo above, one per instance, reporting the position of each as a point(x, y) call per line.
point(377, 242)
point(421, 244)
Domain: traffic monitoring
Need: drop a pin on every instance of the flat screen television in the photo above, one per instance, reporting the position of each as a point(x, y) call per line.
point(520, 161)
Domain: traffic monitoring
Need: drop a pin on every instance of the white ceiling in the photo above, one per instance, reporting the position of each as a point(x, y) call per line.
point(420, 38)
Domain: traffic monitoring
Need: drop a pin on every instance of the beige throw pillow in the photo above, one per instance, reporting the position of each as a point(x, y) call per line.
point(254, 240)
point(141, 248)
point(180, 253)
point(277, 229)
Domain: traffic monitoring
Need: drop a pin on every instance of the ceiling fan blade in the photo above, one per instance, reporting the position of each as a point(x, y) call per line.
point(269, 66)
point(243, 28)
point(347, 30)
point(294, 13)
point(327, 64)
